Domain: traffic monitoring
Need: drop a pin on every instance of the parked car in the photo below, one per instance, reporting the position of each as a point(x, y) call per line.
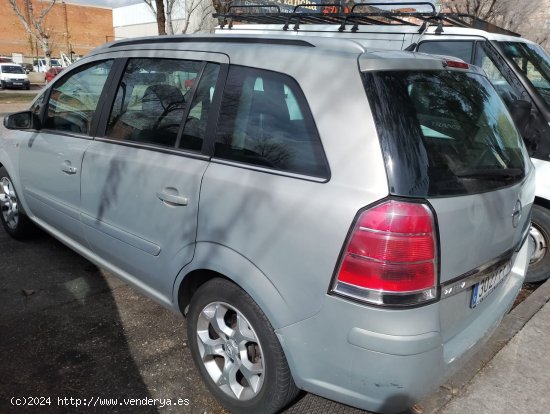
point(52, 73)
point(517, 67)
point(354, 240)
point(28, 67)
point(13, 75)
point(41, 65)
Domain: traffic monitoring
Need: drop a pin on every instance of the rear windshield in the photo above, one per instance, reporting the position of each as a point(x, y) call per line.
point(444, 133)
point(12, 69)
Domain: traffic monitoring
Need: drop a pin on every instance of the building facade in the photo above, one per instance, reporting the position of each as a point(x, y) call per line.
point(71, 28)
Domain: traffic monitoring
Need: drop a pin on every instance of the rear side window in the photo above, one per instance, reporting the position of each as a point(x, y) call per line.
point(265, 121)
point(444, 133)
point(151, 101)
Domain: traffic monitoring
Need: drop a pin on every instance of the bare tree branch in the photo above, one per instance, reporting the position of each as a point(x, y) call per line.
point(35, 25)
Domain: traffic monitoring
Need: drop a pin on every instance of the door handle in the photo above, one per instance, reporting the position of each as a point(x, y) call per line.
point(67, 168)
point(172, 199)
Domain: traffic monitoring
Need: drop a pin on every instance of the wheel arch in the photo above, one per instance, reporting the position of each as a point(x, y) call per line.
point(6, 163)
point(212, 260)
point(543, 202)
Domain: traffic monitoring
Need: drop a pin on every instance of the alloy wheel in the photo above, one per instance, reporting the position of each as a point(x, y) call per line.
point(9, 203)
point(230, 351)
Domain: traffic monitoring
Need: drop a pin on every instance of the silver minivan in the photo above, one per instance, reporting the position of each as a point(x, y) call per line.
point(330, 219)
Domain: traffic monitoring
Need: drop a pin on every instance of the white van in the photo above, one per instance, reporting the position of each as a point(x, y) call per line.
point(41, 65)
point(518, 68)
point(13, 75)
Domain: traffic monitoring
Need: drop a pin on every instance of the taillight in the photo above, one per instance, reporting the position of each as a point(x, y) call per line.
point(455, 64)
point(390, 257)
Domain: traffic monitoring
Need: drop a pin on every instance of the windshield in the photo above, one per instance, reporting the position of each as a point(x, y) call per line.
point(444, 133)
point(533, 61)
point(12, 69)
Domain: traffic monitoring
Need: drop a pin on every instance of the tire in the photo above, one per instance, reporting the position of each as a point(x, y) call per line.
point(12, 216)
point(539, 266)
point(262, 380)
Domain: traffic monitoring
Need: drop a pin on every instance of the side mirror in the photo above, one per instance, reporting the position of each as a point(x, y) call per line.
point(521, 113)
point(22, 120)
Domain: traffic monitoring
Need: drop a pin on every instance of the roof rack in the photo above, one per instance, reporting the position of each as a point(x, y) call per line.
point(368, 13)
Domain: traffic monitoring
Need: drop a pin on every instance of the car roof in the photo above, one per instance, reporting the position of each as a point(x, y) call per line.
point(259, 50)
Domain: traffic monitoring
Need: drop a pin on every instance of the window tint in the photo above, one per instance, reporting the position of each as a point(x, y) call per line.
point(533, 61)
point(460, 49)
point(265, 121)
point(74, 98)
point(444, 133)
point(197, 119)
point(37, 105)
point(151, 100)
point(503, 87)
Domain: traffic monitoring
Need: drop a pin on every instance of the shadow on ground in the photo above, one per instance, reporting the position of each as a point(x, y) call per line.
point(68, 330)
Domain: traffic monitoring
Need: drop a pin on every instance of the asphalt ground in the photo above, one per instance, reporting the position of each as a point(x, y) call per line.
point(70, 330)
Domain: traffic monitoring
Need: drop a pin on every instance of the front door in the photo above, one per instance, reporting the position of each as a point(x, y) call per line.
point(51, 159)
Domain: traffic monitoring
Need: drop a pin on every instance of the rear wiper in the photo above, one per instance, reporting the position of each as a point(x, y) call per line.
point(491, 173)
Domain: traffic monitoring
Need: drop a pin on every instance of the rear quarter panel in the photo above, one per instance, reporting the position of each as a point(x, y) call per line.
point(292, 229)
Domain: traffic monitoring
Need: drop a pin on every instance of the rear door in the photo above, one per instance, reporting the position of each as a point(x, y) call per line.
point(456, 146)
point(141, 178)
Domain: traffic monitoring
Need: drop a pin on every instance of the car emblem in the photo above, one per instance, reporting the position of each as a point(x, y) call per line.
point(516, 215)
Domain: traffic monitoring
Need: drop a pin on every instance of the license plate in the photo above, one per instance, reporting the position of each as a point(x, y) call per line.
point(18, 83)
point(489, 284)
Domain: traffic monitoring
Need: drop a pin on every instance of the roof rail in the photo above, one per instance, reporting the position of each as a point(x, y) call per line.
point(367, 13)
point(210, 39)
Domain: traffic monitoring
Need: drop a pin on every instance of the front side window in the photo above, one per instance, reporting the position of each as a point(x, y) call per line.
point(533, 61)
point(151, 101)
point(265, 121)
point(503, 87)
point(444, 133)
point(36, 107)
point(74, 98)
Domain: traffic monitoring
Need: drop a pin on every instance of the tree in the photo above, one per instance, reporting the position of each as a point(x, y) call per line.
point(509, 14)
point(181, 16)
point(158, 11)
point(197, 16)
point(513, 15)
point(34, 25)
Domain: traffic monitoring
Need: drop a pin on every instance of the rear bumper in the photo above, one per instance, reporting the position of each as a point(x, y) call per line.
point(386, 360)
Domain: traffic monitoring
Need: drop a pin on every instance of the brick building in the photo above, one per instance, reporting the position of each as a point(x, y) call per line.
point(72, 27)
